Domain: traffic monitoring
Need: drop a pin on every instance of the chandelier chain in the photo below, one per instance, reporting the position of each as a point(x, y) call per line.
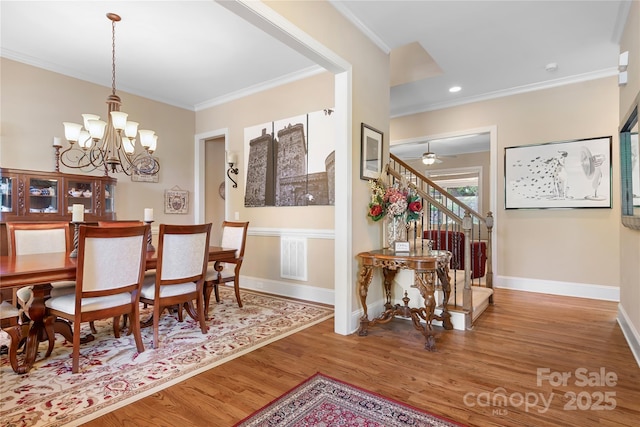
point(113, 57)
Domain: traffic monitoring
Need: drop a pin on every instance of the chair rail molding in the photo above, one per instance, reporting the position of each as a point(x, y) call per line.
point(292, 232)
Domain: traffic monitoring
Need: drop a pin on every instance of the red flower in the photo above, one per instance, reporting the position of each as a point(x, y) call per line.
point(375, 211)
point(415, 206)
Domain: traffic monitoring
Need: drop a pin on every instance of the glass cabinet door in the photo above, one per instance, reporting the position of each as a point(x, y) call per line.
point(43, 196)
point(6, 194)
point(79, 193)
point(109, 198)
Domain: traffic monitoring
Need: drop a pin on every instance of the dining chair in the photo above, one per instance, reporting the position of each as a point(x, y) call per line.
point(109, 275)
point(234, 235)
point(183, 252)
point(126, 223)
point(27, 238)
point(10, 323)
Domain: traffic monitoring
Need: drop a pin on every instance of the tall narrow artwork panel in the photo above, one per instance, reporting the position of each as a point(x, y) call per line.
point(291, 162)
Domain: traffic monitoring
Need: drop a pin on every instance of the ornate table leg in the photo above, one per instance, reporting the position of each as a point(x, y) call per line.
point(389, 275)
point(445, 316)
point(425, 283)
point(364, 280)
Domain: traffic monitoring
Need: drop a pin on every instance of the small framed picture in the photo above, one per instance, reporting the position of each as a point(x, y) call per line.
point(138, 173)
point(176, 201)
point(401, 247)
point(371, 153)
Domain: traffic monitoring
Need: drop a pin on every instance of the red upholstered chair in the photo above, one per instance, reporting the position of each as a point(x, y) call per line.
point(453, 241)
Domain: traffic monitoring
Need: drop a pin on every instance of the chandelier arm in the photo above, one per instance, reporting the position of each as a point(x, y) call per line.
point(77, 158)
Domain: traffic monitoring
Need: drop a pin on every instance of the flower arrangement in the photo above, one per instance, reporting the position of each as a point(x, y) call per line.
point(393, 201)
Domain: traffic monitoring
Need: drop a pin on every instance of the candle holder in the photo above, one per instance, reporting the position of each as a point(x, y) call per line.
point(57, 148)
point(76, 234)
point(150, 247)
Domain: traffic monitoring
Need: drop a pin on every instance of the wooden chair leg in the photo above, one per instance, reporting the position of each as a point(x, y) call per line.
point(207, 298)
point(156, 319)
point(116, 326)
point(236, 286)
point(93, 327)
point(75, 362)
point(135, 328)
point(200, 308)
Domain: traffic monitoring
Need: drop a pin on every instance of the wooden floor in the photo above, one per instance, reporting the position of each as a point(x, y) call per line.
point(463, 380)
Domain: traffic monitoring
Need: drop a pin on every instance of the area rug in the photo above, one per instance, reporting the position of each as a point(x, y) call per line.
point(325, 401)
point(112, 374)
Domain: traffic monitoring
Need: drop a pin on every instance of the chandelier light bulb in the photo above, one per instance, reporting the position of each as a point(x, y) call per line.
point(84, 139)
point(146, 137)
point(129, 148)
point(154, 144)
point(87, 117)
point(71, 131)
point(96, 128)
point(131, 129)
point(119, 120)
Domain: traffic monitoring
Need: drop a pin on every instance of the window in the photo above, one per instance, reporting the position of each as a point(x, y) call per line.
point(465, 184)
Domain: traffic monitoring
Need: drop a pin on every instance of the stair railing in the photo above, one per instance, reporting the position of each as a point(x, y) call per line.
point(445, 215)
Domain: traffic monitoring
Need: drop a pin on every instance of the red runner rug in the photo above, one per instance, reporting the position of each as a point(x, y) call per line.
point(325, 401)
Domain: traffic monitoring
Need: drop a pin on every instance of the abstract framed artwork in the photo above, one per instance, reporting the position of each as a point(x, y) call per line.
point(371, 152)
point(567, 174)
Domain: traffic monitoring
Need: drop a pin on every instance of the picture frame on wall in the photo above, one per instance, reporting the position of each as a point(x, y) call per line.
point(138, 175)
point(370, 152)
point(567, 174)
point(176, 201)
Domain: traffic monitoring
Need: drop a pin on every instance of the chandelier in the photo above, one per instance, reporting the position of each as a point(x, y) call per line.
point(112, 144)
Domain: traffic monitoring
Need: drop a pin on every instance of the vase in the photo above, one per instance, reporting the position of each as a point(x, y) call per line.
point(396, 230)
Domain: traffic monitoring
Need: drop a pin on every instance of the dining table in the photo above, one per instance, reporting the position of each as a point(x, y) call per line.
point(39, 271)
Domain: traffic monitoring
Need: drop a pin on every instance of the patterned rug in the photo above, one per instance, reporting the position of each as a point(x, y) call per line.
point(325, 401)
point(112, 374)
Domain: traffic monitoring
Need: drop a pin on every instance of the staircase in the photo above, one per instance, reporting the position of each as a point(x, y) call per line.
point(449, 224)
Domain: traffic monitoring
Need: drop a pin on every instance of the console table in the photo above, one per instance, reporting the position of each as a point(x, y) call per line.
point(429, 266)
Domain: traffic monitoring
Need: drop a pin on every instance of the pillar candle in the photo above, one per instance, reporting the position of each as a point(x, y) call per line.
point(57, 141)
point(231, 157)
point(78, 213)
point(148, 214)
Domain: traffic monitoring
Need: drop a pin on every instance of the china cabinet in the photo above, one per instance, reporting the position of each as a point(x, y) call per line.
point(49, 196)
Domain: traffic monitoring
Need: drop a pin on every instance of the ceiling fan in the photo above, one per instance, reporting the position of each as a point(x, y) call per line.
point(430, 158)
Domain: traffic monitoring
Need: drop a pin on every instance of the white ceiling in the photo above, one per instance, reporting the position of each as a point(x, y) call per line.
point(194, 54)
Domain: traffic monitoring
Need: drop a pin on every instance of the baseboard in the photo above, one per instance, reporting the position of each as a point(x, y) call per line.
point(569, 289)
point(291, 290)
point(631, 334)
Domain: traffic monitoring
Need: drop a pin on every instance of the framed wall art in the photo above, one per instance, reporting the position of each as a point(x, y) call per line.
point(371, 152)
point(568, 174)
point(176, 201)
point(290, 162)
point(138, 174)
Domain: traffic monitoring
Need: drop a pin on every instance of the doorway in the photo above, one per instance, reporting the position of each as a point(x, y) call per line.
point(214, 178)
